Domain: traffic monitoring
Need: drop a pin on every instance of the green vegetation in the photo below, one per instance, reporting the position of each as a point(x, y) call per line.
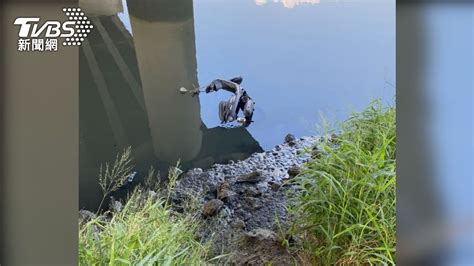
point(113, 177)
point(346, 210)
point(344, 213)
point(145, 231)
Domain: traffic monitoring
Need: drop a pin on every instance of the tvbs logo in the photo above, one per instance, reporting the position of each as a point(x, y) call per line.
point(37, 36)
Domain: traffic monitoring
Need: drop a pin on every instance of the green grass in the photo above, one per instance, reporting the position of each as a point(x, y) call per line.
point(346, 210)
point(144, 232)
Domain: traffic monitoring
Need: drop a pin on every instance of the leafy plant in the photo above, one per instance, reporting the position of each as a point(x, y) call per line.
point(113, 177)
point(346, 208)
point(153, 179)
point(146, 231)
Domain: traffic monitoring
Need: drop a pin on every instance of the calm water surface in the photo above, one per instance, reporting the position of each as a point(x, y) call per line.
point(299, 59)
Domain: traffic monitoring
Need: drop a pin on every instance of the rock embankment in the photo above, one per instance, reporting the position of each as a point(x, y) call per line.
point(243, 205)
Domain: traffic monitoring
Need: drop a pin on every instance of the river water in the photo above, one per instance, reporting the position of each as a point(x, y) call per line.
point(300, 60)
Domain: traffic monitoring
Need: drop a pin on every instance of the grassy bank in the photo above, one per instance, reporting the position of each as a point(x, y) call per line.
point(347, 206)
point(345, 209)
point(145, 231)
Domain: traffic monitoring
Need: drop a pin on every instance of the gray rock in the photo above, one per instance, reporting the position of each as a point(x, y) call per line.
point(211, 207)
point(275, 186)
point(253, 203)
point(116, 206)
point(198, 170)
point(253, 177)
point(290, 138)
point(238, 224)
point(315, 154)
point(262, 187)
point(260, 234)
point(152, 194)
point(85, 215)
point(243, 214)
point(223, 191)
point(294, 171)
point(226, 212)
point(252, 192)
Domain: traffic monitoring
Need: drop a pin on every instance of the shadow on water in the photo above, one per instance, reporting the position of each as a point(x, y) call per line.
point(129, 94)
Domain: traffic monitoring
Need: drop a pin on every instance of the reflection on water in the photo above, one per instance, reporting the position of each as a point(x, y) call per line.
point(166, 57)
point(129, 96)
point(294, 66)
point(102, 7)
point(288, 3)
